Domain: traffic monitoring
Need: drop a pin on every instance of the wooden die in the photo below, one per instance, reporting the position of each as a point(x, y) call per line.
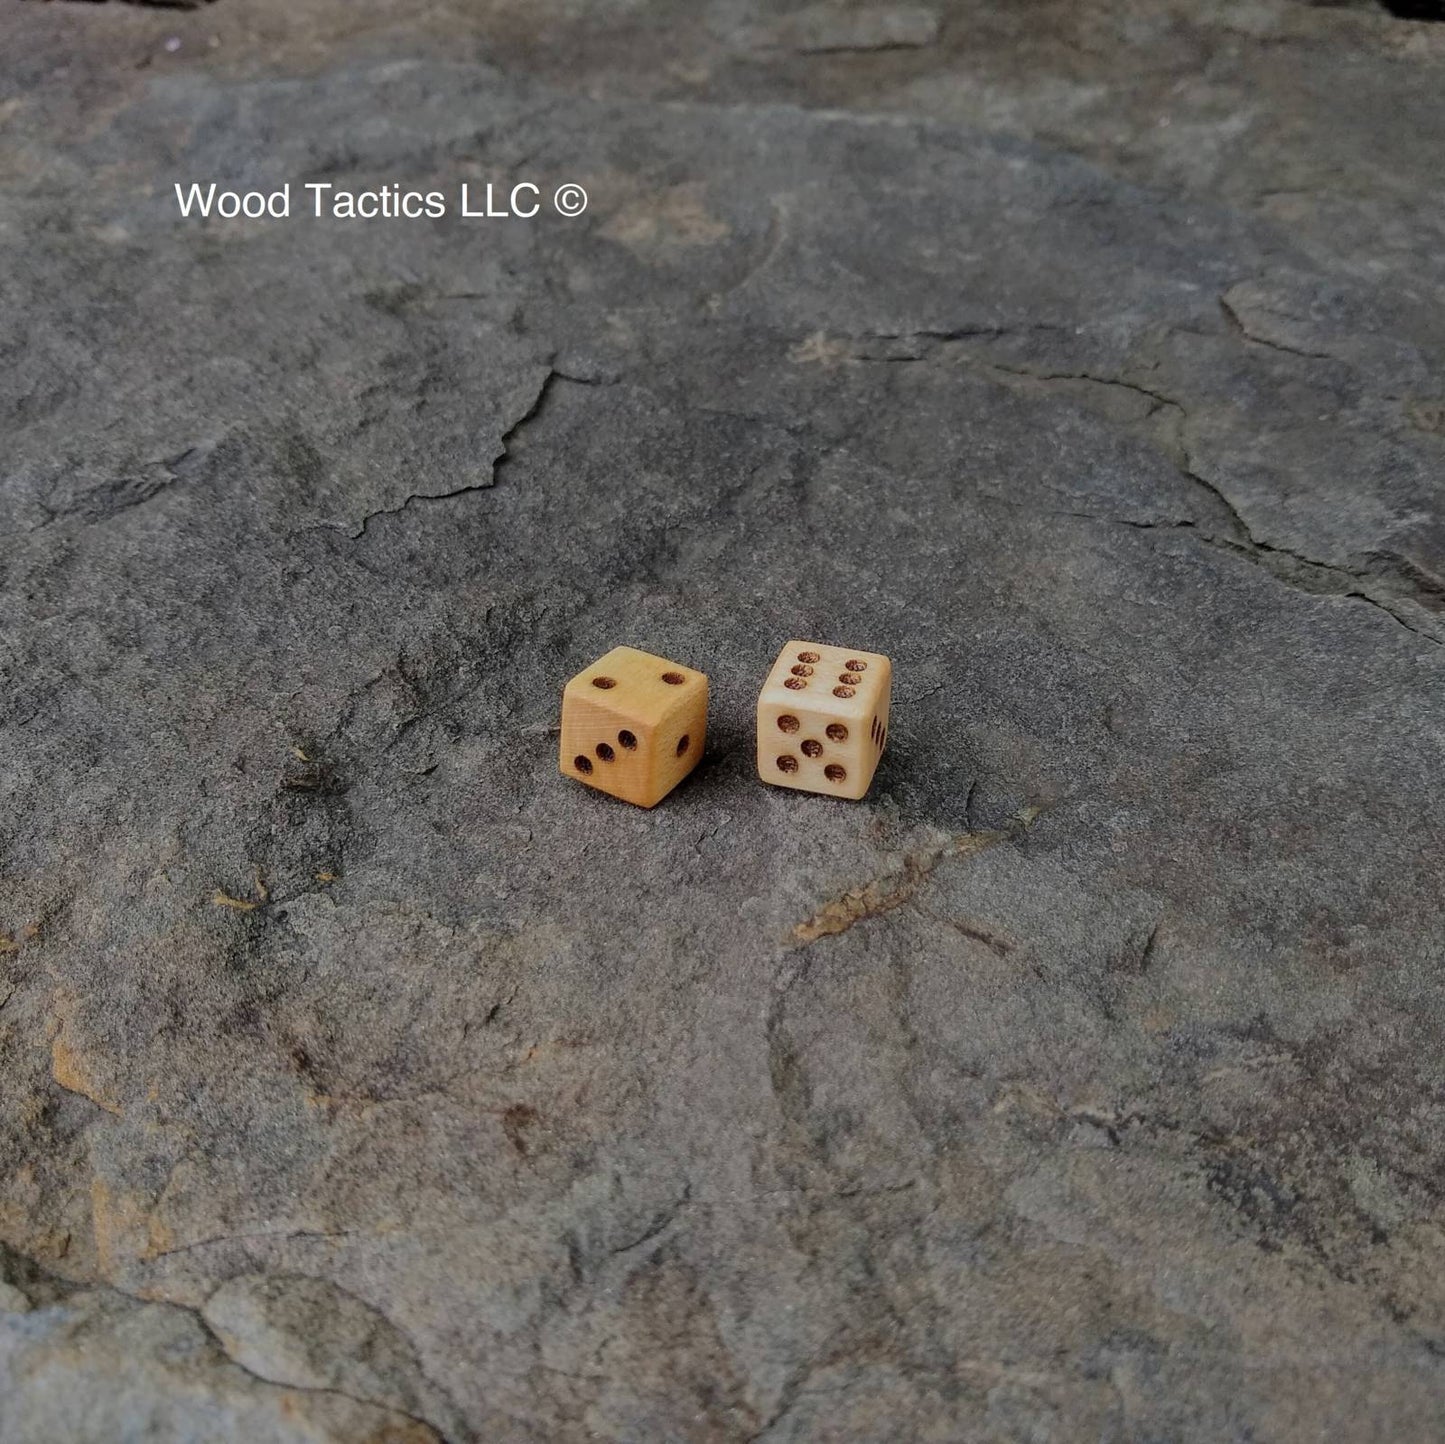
point(823, 719)
point(633, 725)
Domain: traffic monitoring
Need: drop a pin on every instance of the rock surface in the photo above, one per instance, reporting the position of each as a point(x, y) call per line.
point(367, 1081)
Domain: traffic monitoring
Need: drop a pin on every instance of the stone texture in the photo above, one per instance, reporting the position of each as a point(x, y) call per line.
point(92, 1365)
point(368, 1081)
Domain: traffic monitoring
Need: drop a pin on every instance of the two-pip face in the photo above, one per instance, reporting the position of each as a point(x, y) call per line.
point(633, 725)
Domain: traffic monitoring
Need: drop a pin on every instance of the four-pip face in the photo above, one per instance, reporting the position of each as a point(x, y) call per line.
point(823, 719)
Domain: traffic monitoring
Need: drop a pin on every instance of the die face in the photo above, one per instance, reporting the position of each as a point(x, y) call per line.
point(639, 685)
point(633, 725)
point(823, 719)
point(841, 681)
point(813, 751)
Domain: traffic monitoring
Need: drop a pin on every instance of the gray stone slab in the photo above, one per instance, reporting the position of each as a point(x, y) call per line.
point(369, 1080)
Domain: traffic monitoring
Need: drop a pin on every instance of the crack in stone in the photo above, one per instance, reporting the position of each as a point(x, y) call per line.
point(1160, 402)
point(260, 1378)
point(158, 4)
point(948, 335)
point(823, 31)
point(414, 1362)
point(657, 1226)
point(891, 891)
point(772, 243)
point(122, 493)
point(999, 947)
point(880, 47)
point(1292, 568)
point(788, 1396)
point(1157, 397)
point(514, 431)
point(1304, 574)
point(68, 1288)
point(1151, 943)
point(499, 460)
point(1240, 327)
point(1231, 511)
point(280, 1236)
point(1411, 582)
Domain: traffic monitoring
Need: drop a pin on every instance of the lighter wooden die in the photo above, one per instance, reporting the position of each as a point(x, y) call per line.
point(823, 719)
point(633, 725)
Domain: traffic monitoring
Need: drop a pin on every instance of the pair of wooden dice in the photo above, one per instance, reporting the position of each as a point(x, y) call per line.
point(633, 725)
